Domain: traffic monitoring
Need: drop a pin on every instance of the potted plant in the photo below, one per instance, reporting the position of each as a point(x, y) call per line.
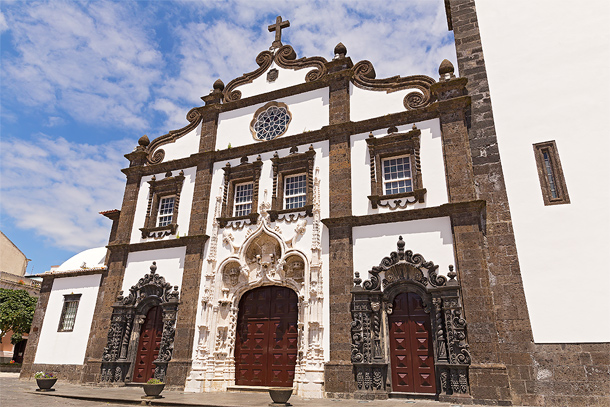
point(280, 395)
point(45, 381)
point(153, 387)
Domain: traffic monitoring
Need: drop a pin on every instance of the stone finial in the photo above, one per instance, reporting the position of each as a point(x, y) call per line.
point(168, 174)
point(153, 267)
point(357, 279)
point(400, 244)
point(393, 129)
point(311, 147)
point(144, 141)
point(445, 70)
point(218, 86)
point(294, 150)
point(340, 50)
point(244, 159)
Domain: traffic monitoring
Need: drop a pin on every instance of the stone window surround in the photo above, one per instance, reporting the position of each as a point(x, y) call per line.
point(168, 186)
point(293, 164)
point(68, 298)
point(560, 184)
point(240, 174)
point(390, 146)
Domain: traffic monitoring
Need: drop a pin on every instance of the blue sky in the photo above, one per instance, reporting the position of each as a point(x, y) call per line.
point(82, 81)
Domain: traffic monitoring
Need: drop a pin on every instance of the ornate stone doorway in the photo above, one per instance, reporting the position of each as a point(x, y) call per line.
point(411, 351)
point(267, 337)
point(150, 301)
point(436, 341)
point(148, 348)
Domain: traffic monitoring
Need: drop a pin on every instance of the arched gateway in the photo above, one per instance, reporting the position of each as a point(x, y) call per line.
point(408, 332)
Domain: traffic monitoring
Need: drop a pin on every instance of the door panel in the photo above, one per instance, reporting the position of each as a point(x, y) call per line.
point(148, 347)
point(411, 346)
point(267, 335)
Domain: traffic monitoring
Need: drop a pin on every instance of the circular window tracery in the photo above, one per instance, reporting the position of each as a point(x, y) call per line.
point(270, 121)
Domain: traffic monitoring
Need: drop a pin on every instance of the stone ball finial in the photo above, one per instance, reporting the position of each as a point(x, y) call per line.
point(153, 267)
point(144, 141)
point(218, 85)
point(340, 50)
point(445, 68)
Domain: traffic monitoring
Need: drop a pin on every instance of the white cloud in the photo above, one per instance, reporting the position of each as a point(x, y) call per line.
point(54, 121)
point(3, 24)
point(56, 188)
point(90, 60)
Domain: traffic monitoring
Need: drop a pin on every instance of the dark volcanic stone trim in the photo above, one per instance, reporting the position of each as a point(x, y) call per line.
point(64, 373)
point(160, 244)
point(477, 207)
point(311, 137)
point(37, 320)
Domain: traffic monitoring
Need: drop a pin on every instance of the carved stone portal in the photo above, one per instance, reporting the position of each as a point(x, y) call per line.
point(128, 315)
point(404, 271)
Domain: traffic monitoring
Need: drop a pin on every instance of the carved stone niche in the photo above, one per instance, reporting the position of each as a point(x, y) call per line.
point(128, 316)
point(390, 146)
point(230, 274)
point(294, 268)
point(404, 271)
point(263, 251)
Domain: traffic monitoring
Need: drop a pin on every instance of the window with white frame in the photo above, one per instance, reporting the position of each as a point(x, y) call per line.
point(166, 210)
point(295, 191)
point(397, 175)
point(243, 199)
point(68, 313)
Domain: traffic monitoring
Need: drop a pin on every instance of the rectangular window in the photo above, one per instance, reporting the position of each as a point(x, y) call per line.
point(243, 199)
point(397, 175)
point(166, 211)
point(550, 174)
point(295, 191)
point(68, 313)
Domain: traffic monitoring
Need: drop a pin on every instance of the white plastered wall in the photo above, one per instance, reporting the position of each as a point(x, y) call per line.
point(431, 238)
point(367, 104)
point(67, 348)
point(184, 146)
point(184, 208)
point(546, 68)
point(285, 79)
point(309, 111)
point(432, 167)
point(170, 265)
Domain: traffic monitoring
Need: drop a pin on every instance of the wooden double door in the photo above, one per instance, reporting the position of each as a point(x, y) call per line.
point(411, 346)
point(266, 343)
point(148, 346)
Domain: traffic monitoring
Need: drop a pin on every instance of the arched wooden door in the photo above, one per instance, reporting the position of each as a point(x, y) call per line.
point(411, 346)
point(266, 339)
point(148, 347)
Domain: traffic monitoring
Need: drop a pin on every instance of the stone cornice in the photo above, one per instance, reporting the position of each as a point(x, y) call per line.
point(159, 244)
point(476, 206)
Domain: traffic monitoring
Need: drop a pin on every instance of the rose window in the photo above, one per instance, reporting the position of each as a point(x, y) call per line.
point(270, 121)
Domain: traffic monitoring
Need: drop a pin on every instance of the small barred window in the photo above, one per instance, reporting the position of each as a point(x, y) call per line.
point(243, 199)
point(166, 211)
point(397, 175)
point(68, 313)
point(295, 191)
point(271, 122)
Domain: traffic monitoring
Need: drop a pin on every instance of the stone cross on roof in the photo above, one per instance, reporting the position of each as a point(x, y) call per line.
point(277, 27)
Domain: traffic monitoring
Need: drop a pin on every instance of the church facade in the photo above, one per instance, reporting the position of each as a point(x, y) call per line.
point(314, 227)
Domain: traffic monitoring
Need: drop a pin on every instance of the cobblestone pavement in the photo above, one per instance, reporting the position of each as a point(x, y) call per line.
point(15, 392)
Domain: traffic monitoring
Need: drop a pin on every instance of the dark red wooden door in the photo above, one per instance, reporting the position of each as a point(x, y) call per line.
point(411, 346)
point(148, 348)
point(267, 335)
